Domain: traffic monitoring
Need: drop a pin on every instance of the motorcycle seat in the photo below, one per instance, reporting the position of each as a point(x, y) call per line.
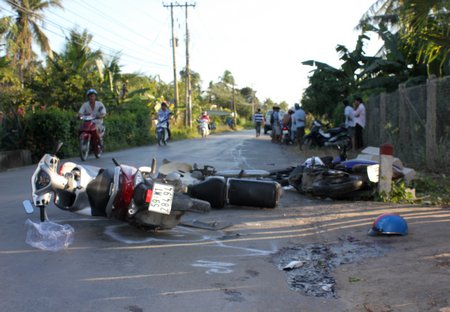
point(335, 130)
point(98, 191)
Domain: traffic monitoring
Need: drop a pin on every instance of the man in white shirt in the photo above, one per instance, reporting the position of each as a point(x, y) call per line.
point(349, 115)
point(96, 109)
point(360, 122)
point(299, 118)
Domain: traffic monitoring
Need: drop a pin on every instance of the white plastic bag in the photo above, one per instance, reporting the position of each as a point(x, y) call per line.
point(49, 235)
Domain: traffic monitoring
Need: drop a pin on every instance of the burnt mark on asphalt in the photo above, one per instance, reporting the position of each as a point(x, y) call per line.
point(233, 295)
point(309, 267)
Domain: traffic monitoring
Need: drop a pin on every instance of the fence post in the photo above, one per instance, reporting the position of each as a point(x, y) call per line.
point(403, 128)
point(430, 138)
point(385, 175)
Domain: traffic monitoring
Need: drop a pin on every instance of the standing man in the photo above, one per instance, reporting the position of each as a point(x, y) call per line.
point(360, 122)
point(258, 119)
point(349, 115)
point(97, 110)
point(299, 118)
point(275, 122)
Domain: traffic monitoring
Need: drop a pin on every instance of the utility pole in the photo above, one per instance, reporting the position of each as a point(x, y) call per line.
point(234, 108)
point(174, 43)
point(188, 74)
point(188, 114)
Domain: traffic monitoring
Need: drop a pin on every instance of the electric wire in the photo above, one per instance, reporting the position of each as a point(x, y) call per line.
point(59, 27)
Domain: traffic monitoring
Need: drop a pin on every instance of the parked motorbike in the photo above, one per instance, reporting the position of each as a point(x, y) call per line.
point(203, 127)
point(285, 135)
point(89, 138)
point(162, 133)
point(122, 192)
point(318, 137)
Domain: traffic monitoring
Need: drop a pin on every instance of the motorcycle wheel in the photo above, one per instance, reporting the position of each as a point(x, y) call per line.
point(346, 142)
point(159, 137)
point(337, 187)
point(98, 151)
point(166, 136)
point(84, 149)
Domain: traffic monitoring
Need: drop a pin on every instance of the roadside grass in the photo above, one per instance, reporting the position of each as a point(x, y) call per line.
point(432, 188)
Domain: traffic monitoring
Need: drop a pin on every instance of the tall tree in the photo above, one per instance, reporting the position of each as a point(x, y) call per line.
point(424, 25)
point(29, 14)
point(68, 75)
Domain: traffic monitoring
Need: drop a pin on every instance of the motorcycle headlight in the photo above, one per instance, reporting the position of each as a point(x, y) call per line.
point(42, 180)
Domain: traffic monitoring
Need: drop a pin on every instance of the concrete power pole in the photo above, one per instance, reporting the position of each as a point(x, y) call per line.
point(188, 99)
point(174, 44)
point(188, 74)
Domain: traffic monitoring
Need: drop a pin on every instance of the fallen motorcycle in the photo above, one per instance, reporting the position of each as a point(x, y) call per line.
point(314, 178)
point(253, 188)
point(121, 192)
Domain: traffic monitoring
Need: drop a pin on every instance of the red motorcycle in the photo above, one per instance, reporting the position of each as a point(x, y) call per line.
point(89, 138)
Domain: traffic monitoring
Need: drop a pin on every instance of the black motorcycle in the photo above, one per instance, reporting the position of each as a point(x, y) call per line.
point(318, 137)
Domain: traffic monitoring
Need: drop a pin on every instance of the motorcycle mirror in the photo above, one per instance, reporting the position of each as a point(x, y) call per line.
point(28, 206)
point(115, 162)
point(153, 166)
point(58, 147)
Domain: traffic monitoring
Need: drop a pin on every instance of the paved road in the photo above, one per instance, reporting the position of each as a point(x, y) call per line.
point(114, 267)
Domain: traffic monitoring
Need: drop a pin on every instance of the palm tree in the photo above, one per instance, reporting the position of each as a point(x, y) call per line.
point(29, 16)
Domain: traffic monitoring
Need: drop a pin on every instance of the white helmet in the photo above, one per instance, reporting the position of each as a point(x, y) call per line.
point(91, 91)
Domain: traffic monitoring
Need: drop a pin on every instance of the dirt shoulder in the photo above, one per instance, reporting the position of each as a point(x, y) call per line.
point(410, 273)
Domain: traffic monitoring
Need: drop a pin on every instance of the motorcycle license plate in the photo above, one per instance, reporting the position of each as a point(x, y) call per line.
point(285, 131)
point(162, 197)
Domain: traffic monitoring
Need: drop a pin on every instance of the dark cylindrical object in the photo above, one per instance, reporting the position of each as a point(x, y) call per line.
point(212, 190)
point(254, 193)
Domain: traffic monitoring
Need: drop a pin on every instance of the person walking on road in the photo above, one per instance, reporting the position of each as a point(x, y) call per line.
point(258, 119)
point(299, 119)
point(360, 122)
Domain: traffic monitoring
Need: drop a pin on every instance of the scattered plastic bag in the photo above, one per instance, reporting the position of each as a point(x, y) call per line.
point(48, 235)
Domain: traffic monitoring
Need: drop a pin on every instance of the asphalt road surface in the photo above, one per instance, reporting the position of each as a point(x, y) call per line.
point(113, 267)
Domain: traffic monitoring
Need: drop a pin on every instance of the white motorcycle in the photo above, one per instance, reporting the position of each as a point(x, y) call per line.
point(203, 127)
point(162, 132)
point(122, 192)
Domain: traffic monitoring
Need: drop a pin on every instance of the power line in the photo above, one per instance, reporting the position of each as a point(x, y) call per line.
point(94, 42)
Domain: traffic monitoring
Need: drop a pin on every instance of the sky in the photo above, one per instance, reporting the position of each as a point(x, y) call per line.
point(262, 43)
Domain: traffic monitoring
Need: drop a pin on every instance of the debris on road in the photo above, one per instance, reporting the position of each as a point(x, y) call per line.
point(313, 276)
point(213, 226)
point(49, 235)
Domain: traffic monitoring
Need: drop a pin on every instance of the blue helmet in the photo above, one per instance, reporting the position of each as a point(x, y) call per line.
point(389, 224)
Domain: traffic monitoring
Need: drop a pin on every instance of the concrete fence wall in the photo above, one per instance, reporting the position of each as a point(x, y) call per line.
point(416, 121)
point(12, 159)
